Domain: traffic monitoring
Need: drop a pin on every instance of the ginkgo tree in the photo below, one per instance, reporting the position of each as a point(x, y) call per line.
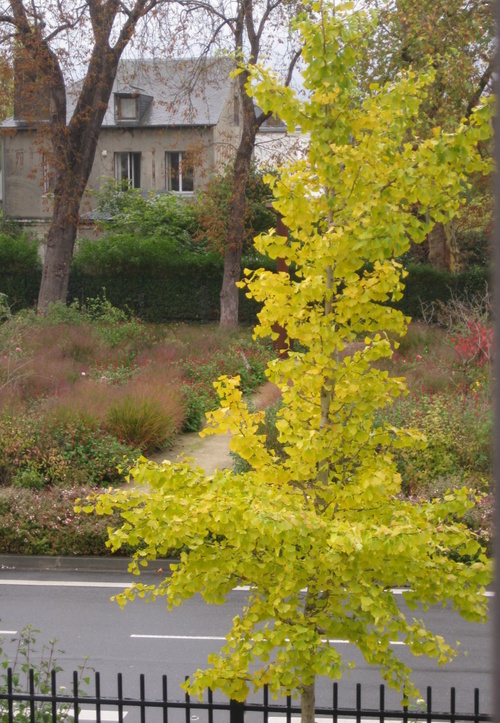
point(321, 534)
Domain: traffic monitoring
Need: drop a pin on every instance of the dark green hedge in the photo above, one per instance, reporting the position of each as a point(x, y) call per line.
point(189, 289)
point(20, 269)
point(424, 285)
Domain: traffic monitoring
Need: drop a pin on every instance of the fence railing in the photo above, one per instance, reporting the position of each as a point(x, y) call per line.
point(56, 705)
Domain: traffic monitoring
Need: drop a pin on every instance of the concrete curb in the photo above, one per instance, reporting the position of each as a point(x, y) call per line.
point(77, 564)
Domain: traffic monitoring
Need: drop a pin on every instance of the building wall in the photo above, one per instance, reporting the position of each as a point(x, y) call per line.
point(24, 171)
point(227, 133)
point(153, 144)
point(23, 177)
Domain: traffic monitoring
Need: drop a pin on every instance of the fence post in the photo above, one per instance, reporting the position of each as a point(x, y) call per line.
point(236, 712)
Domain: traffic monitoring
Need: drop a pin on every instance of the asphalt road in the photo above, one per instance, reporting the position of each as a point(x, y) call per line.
point(75, 608)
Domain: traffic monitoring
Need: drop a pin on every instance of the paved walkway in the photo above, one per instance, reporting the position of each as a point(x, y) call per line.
point(212, 452)
point(209, 453)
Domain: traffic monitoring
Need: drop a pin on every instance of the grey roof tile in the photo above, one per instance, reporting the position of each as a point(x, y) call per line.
point(185, 92)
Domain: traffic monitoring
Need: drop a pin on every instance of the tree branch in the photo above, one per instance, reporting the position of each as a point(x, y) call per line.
point(483, 82)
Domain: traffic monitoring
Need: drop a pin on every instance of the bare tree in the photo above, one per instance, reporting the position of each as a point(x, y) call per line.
point(250, 31)
point(49, 39)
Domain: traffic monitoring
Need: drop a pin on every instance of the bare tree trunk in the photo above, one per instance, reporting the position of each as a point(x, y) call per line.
point(56, 267)
point(229, 299)
point(443, 251)
point(307, 703)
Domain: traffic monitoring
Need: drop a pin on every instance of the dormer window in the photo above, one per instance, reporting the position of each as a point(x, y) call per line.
point(127, 107)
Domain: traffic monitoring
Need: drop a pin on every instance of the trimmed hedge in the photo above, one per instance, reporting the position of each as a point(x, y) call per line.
point(20, 270)
point(424, 285)
point(186, 290)
point(187, 287)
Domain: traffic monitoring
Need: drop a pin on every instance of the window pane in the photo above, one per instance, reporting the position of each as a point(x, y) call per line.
point(173, 171)
point(127, 108)
point(136, 180)
point(121, 167)
point(128, 169)
point(187, 173)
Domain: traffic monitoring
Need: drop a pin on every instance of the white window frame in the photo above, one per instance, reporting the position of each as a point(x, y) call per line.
point(47, 177)
point(180, 181)
point(131, 159)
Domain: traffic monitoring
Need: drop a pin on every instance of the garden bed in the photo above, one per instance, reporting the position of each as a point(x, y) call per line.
point(82, 394)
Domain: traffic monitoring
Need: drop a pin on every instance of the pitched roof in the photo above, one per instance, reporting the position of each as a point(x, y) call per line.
point(184, 92)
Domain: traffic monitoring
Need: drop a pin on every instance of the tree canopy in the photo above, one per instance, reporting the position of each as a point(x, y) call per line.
point(323, 535)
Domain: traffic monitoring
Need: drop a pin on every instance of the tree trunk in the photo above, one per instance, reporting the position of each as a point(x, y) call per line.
point(307, 704)
point(443, 251)
point(229, 300)
point(60, 244)
point(74, 149)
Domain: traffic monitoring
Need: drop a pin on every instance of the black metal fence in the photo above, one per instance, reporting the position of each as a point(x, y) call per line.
point(55, 705)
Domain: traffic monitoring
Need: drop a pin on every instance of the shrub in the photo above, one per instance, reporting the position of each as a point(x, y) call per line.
point(475, 246)
point(18, 253)
point(93, 455)
point(211, 209)
point(20, 269)
point(46, 447)
point(45, 523)
point(162, 216)
point(142, 422)
point(30, 478)
point(458, 427)
point(24, 447)
point(197, 400)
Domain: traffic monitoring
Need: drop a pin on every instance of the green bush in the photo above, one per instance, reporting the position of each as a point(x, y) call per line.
point(458, 426)
point(142, 422)
point(18, 253)
point(425, 285)
point(162, 216)
point(44, 523)
point(38, 451)
point(197, 400)
point(20, 270)
point(25, 447)
point(475, 247)
point(29, 478)
point(92, 454)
